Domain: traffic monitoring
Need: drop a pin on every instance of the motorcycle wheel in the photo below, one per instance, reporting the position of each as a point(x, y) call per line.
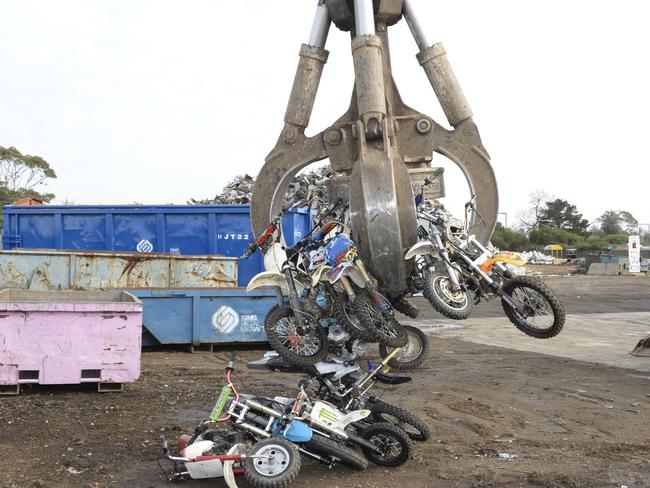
point(270, 312)
point(345, 315)
point(301, 345)
point(388, 330)
point(456, 305)
point(393, 442)
point(329, 447)
point(544, 314)
point(279, 470)
point(415, 428)
point(414, 352)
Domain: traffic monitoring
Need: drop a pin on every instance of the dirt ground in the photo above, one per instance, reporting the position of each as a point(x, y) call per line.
point(500, 417)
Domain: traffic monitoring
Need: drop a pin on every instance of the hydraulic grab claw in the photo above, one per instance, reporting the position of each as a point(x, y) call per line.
point(380, 147)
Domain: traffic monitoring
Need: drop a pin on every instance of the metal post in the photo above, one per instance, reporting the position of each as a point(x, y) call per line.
point(413, 23)
point(364, 17)
point(320, 28)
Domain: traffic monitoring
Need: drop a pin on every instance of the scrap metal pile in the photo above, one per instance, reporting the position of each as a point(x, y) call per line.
point(308, 186)
point(379, 235)
point(237, 192)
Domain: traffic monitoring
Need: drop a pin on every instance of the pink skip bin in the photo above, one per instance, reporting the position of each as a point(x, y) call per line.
point(69, 337)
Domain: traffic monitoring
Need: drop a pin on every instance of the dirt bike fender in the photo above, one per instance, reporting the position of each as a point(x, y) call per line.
point(271, 279)
point(196, 449)
point(331, 418)
point(513, 258)
point(228, 475)
point(274, 258)
point(267, 279)
point(353, 417)
point(424, 248)
point(348, 270)
point(321, 274)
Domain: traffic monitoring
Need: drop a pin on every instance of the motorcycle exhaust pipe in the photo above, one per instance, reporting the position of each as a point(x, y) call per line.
point(258, 406)
point(256, 419)
point(254, 430)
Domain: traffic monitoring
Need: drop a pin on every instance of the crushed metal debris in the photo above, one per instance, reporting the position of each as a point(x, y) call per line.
point(307, 187)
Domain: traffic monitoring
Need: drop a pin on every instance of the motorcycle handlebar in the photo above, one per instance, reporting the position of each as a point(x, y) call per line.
point(250, 250)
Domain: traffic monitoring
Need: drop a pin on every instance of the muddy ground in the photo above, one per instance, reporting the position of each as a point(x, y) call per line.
point(564, 423)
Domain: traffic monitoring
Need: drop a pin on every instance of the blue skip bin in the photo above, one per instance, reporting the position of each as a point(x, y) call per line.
point(204, 316)
point(189, 230)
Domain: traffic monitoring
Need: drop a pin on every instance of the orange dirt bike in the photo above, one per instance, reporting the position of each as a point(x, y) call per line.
point(455, 271)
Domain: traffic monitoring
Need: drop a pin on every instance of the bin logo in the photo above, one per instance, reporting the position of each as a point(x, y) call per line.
point(225, 319)
point(144, 246)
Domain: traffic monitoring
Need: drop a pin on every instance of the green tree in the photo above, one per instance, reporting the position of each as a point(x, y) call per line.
point(508, 239)
point(553, 235)
point(562, 215)
point(613, 222)
point(618, 239)
point(21, 176)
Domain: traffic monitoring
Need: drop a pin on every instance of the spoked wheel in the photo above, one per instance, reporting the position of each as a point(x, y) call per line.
point(393, 444)
point(352, 323)
point(413, 354)
point(543, 315)
point(454, 304)
point(273, 463)
point(415, 428)
point(303, 345)
point(388, 330)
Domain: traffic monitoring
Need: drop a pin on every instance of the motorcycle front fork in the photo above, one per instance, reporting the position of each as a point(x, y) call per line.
point(451, 272)
point(371, 283)
point(294, 299)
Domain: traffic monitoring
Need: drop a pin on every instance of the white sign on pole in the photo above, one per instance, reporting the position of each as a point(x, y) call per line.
point(634, 254)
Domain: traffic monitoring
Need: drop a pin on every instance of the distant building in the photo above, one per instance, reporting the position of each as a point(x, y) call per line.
point(28, 202)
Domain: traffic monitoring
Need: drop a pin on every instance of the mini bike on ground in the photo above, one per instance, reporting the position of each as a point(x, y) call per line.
point(263, 438)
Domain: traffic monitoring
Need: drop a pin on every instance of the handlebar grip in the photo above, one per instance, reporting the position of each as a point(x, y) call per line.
point(165, 447)
point(250, 250)
point(200, 429)
point(231, 361)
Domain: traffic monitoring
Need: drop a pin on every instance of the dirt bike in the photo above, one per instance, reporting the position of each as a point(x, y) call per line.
point(316, 429)
point(316, 312)
point(347, 386)
point(366, 314)
point(292, 326)
point(382, 443)
point(239, 449)
point(455, 271)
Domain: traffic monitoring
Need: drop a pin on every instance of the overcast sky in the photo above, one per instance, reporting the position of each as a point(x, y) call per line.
point(159, 101)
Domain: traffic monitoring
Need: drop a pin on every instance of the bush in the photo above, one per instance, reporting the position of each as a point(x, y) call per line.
point(616, 238)
point(551, 235)
point(508, 239)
